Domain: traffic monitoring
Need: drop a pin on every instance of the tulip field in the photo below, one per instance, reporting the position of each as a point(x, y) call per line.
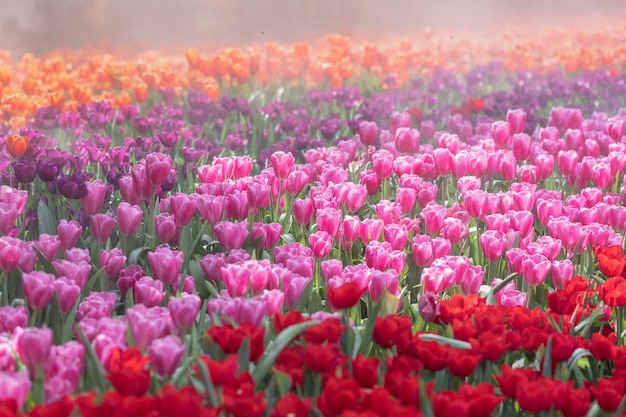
point(421, 227)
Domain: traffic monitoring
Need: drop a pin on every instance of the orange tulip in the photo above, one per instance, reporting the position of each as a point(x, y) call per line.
point(17, 145)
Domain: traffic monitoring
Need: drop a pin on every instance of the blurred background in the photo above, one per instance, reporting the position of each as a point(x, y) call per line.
point(39, 26)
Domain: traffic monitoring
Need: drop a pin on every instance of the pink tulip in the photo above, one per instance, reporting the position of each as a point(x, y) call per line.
point(158, 167)
point(8, 217)
point(184, 310)
point(422, 250)
point(96, 193)
point(493, 244)
point(535, 269)
point(382, 164)
point(407, 140)
point(33, 345)
point(12, 317)
point(377, 255)
point(437, 278)
point(562, 272)
point(501, 133)
point(434, 216)
point(371, 181)
point(516, 119)
point(166, 354)
point(77, 271)
point(102, 226)
point(69, 232)
point(399, 120)
point(302, 211)
point(67, 293)
point(282, 163)
point(509, 296)
point(128, 218)
point(112, 262)
point(454, 230)
point(293, 287)
point(63, 370)
point(96, 306)
point(231, 235)
point(146, 324)
point(148, 292)
point(210, 208)
point(10, 253)
point(76, 255)
point(236, 205)
point(165, 264)
point(368, 132)
point(350, 229)
point(15, 387)
point(321, 243)
point(396, 235)
point(38, 289)
point(371, 229)
point(355, 197)
point(48, 246)
point(383, 281)
point(473, 280)
point(328, 220)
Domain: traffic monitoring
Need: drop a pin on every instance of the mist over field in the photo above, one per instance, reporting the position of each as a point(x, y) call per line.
point(39, 26)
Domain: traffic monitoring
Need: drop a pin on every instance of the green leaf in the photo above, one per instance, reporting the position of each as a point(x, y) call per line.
point(45, 219)
point(304, 298)
point(133, 258)
point(264, 365)
point(208, 384)
point(47, 265)
point(70, 319)
point(283, 383)
point(366, 338)
point(96, 374)
point(547, 360)
point(458, 344)
point(92, 281)
point(243, 355)
point(315, 303)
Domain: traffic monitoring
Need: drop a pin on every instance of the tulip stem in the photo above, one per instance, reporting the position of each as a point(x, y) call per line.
point(5, 288)
point(619, 325)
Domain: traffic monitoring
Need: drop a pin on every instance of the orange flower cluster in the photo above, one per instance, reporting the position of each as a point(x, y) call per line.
point(66, 79)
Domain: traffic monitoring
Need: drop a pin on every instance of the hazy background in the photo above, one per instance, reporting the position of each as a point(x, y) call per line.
point(40, 26)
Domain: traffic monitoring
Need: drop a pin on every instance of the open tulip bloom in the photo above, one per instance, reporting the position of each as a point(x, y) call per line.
point(394, 232)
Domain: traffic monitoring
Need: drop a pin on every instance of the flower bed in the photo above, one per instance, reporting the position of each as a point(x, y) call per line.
point(447, 244)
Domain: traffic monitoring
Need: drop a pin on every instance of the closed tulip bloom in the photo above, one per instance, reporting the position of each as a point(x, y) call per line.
point(12, 317)
point(382, 163)
point(368, 132)
point(102, 226)
point(493, 244)
point(516, 118)
point(183, 207)
point(15, 386)
point(303, 211)
point(165, 264)
point(501, 133)
point(148, 292)
point(127, 190)
point(67, 293)
point(68, 233)
point(328, 220)
point(141, 182)
point(383, 281)
point(166, 354)
point(38, 289)
point(184, 310)
point(321, 243)
point(158, 167)
point(33, 345)
point(146, 324)
point(258, 195)
point(210, 207)
point(166, 228)
point(96, 193)
point(282, 163)
point(231, 235)
point(128, 218)
point(399, 120)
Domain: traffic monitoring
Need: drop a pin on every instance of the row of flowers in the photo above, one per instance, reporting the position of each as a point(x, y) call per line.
point(65, 80)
